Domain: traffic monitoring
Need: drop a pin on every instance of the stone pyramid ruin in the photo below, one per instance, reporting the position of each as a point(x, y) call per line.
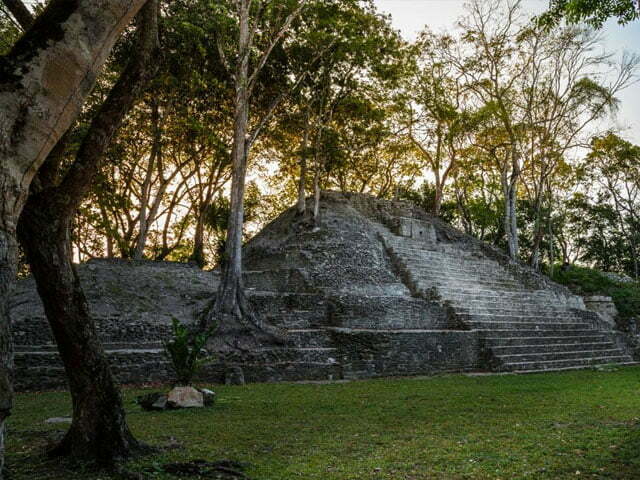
point(382, 289)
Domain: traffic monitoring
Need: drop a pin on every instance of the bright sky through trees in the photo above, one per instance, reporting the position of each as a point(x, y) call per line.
point(410, 16)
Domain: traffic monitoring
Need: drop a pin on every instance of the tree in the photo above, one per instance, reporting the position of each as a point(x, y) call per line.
point(593, 12)
point(440, 119)
point(232, 314)
point(98, 430)
point(39, 99)
point(611, 170)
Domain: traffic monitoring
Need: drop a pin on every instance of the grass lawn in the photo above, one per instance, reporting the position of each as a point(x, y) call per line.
point(557, 425)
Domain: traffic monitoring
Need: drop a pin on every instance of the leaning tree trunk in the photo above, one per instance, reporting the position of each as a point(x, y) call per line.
point(99, 431)
point(40, 96)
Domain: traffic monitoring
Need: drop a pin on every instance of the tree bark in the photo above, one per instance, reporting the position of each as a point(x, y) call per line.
point(8, 260)
point(145, 219)
point(301, 205)
point(538, 235)
point(237, 326)
point(232, 314)
point(44, 81)
point(98, 431)
point(197, 256)
point(316, 198)
point(510, 219)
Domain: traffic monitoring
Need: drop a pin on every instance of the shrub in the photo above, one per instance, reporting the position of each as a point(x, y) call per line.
point(587, 281)
point(186, 352)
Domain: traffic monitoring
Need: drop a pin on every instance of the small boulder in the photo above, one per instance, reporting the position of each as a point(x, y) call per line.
point(234, 376)
point(153, 401)
point(185, 397)
point(209, 397)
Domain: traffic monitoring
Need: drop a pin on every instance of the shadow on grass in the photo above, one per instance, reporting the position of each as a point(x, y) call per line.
point(626, 463)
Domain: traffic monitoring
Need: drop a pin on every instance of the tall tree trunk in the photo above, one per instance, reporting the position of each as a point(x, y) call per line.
point(99, 431)
point(145, 219)
point(538, 235)
point(437, 204)
point(197, 256)
point(8, 259)
point(40, 97)
point(316, 197)
point(301, 204)
point(237, 326)
point(510, 219)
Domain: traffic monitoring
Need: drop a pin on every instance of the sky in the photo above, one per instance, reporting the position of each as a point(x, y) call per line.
point(410, 16)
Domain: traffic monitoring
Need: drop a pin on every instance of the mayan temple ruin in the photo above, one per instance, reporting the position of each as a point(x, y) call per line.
point(382, 289)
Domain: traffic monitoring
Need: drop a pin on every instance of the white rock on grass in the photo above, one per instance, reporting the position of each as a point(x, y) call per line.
point(185, 397)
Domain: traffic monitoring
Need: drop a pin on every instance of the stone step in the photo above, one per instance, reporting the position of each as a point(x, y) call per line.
point(469, 279)
point(446, 267)
point(453, 255)
point(506, 342)
point(516, 310)
point(296, 319)
point(495, 333)
point(578, 367)
point(519, 309)
point(480, 291)
point(108, 346)
point(310, 337)
point(542, 356)
point(488, 325)
point(283, 302)
point(278, 280)
point(421, 265)
point(386, 313)
point(497, 299)
point(437, 272)
point(428, 284)
point(467, 318)
point(565, 364)
point(538, 348)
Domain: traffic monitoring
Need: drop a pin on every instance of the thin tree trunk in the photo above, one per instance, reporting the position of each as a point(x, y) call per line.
point(538, 235)
point(437, 204)
point(301, 204)
point(145, 219)
point(237, 326)
point(316, 197)
point(197, 256)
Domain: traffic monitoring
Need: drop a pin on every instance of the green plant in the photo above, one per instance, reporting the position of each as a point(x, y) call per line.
point(587, 281)
point(186, 352)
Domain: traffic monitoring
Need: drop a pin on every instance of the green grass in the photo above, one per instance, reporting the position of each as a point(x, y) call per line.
point(583, 424)
point(588, 281)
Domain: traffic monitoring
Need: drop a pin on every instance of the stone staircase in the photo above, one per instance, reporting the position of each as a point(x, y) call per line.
point(521, 329)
